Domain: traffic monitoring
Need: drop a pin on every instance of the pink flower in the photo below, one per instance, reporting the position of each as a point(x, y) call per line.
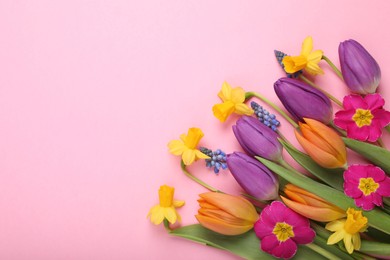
point(363, 118)
point(366, 184)
point(280, 230)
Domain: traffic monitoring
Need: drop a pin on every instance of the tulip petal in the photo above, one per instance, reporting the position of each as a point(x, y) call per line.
point(307, 46)
point(314, 138)
point(221, 227)
point(188, 157)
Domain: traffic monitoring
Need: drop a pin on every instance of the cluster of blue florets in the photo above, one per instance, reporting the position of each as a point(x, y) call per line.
point(279, 56)
point(264, 116)
point(217, 159)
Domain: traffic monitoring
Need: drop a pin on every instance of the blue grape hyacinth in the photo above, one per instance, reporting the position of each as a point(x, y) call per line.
point(264, 116)
point(217, 159)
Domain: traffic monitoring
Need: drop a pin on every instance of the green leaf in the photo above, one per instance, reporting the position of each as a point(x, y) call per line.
point(332, 177)
point(334, 249)
point(375, 248)
point(246, 245)
point(376, 218)
point(377, 155)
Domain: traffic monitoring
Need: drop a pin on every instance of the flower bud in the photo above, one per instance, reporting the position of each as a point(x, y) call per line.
point(322, 144)
point(226, 214)
point(256, 179)
point(257, 139)
point(311, 206)
point(301, 100)
point(360, 70)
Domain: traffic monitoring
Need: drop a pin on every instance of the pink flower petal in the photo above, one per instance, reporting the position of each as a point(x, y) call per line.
point(268, 243)
point(286, 249)
point(365, 202)
point(263, 229)
point(296, 220)
point(352, 190)
point(375, 133)
point(358, 133)
point(374, 101)
point(354, 102)
point(376, 173)
point(355, 172)
point(377, 199)
point(384, 187)
point(343, 117)
point(303, 235)
point(381, 117)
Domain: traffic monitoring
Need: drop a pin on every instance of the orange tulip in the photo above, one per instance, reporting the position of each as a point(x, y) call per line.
point(226, 214)
point(311, 206)
point(322, 144)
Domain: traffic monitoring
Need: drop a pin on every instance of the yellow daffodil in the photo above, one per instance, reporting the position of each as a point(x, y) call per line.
point(233, 102)
point(186, 146)
point(166, 208)
point(307, 61)
point(348, 229)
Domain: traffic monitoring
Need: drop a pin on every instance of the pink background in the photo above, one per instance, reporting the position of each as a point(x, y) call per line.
point(92, 91)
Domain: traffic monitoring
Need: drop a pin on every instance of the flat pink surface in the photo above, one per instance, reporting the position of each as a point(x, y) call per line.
point(92, 91)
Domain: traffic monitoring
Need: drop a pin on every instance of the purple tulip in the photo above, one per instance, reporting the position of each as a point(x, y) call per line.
point(257, 139)
point(360, 70)
point(256, 179)
point(303, 101)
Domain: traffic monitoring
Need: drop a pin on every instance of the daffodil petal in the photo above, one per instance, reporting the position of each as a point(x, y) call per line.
point(336, 237)
point(238, 95)
point(313, 68)
point(188, 157)
point(176, 147)
point(170, 214)
point(157, 215)
point(193, 137)
point(183, 137)
point(307, 46)
point(178, 203)
point(335, 225)
point(243, 109)
point(226, 92)
point(293, 64)
point(315, 56)
point(222, 111)
point(356, 241)
point(200, 155)
point(348, 243)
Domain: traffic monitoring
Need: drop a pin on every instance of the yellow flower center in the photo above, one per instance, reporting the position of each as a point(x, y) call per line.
point(283, 231)
point(165, 194)
point(362, 117)
point(355, 222)
point(368, 185)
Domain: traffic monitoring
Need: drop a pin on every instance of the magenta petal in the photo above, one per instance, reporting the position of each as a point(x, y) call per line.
point(365, 202)
point(296, 220)
point(375, 133)
point(358, 133)
point(286, 249)
point(277, 210)
point(303, 235)
point(354, 102)
point(374, 101)
point(263, 229)
point(377, 199)
point(343, 117)
point(376, 173)
point(352, 190)
point(381, 117)
point(384, 187)
point(268, 243)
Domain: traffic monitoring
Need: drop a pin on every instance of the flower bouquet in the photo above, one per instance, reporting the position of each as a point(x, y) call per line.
point(335, 210)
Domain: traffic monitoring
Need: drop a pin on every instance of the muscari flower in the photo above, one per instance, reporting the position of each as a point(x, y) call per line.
point(186, 146)
point(307, 60)
point(360, 71)
point(348, 230)
point(280, 229)
point(233, 102)
point(264, 116)
point(366, 184)
point(363, 117)
point(166, 208)
point(322, 144)
point(302, 100)
point(310, 205)
point(217, 159)
point(226, 214)
point(257, 139)
point(256, 179)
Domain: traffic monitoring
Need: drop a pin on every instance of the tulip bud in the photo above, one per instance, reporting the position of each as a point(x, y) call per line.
point(360, 70)
point(322, 144)
point(257, 139)
point(226, 214)
point(256, 179)
point(301, 100)
point(311, 206)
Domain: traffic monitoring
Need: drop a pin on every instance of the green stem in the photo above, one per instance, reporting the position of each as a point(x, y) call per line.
point(183, 167)
point(334, 99)
point(267, 101)
point(322, 251)
point(335, 69)
point(166, 225)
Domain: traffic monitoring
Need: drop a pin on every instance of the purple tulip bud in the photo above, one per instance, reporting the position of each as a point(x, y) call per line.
point(303, 101)
point(257, 139)
point(360, 70)
point(256, 179)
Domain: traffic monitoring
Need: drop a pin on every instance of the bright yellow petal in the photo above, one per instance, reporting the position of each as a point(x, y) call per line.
point(188, 157)
point(356, 241)
point(336, 237)
point(315, 56)
point(294, 64)
point(170, 214)
point(178, 203)
point(243, 109)
point(223, 111)
point(313, 68)
point(348, 243)
point(226, 92)
point(335, 225)
point(183, 137)
point(157, 215)
point(307, 46)
point(238, 95)
point(200, 155)
point(176, 147)
point(193, 137)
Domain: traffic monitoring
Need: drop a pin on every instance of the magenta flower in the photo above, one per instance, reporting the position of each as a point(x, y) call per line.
point(280, 230)
point(363, 118)
point(366, 184)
